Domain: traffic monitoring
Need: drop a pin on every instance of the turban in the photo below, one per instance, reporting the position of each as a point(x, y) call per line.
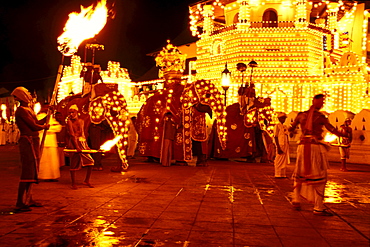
point(22, 94)
point(73, 107)
point(281, 114)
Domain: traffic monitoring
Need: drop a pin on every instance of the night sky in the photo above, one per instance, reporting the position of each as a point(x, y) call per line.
point(29, 31)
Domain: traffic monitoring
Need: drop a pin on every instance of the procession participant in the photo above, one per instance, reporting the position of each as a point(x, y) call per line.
point(3, 131)
point(345, 143)
point(310, 174)
point(132, 138)
point(13, 133)
point(29, 148)
point(50, 162)
point(169, 130)
point(282, 147)
point(199, 133)
point(77, 140)
point(61, 139)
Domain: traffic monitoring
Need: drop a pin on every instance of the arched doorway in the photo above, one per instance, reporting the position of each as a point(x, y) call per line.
point(270, 18)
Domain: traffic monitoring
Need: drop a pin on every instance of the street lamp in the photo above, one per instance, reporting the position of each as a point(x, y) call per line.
point(242, 67)
point(252, 64)
point(225, 80)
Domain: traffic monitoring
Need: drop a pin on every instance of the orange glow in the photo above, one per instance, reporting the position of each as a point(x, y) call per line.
point(82, 26)
point(37, 108)
point(110, 143)
point(329, 137)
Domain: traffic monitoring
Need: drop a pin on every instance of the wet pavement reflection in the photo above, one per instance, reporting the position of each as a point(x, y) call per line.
point(226, 204)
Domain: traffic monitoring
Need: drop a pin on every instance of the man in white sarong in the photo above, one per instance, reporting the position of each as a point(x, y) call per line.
point(3, 131)
point(310, 174)
point(282, 147)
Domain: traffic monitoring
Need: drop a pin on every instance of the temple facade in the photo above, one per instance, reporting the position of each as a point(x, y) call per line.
point(301, 47)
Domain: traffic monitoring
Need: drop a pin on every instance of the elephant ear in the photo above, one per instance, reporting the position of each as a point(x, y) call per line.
point(97, 110)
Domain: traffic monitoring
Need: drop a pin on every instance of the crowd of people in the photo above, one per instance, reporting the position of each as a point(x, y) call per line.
point(9, 132)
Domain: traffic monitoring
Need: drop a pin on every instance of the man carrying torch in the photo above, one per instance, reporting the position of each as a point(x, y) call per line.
point(29, 148)
point(76, 131)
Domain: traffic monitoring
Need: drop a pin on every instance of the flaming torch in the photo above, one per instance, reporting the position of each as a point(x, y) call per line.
point(79, 27)
point(105, 147)
point(330, 138)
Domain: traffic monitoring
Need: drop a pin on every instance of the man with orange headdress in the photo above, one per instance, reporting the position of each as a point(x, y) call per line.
point(29, 148)
point(310, 174)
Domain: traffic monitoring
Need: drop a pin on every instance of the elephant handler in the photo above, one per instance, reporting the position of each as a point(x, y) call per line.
point(29, 148)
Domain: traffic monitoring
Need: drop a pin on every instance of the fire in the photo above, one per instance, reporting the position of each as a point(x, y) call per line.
point(3, 109)
point(37, 108)
point(82, 26)
point(329, 137)
point(110, 143)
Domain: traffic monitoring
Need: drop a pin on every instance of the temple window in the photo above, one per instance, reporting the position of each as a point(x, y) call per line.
point(270, 18)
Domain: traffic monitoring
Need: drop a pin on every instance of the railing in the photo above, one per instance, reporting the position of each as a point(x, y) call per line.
point(224, 29)
point(272, 24)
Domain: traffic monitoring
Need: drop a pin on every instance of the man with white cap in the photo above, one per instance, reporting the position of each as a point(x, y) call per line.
point(282, 146)
point(29, 147)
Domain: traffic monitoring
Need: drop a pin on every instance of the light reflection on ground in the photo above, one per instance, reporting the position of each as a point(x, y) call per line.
point(339, 193)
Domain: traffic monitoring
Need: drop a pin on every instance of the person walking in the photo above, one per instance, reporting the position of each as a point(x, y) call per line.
point(29, 148)
point(345, 143)
point(50, 162)
point(77, 140)
point(282, 158)
point(169, 130)
point(310, 173)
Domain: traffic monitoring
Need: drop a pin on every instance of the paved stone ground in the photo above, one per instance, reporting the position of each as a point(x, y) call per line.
point(228, 203)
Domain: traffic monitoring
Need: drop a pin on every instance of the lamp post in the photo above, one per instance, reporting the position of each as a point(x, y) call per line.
point(242, 67)
point(252, 64)
point(225, 80)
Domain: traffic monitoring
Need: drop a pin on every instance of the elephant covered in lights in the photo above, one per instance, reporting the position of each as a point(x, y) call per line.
point(188, 104)
point(249, 130)
point(110, 107)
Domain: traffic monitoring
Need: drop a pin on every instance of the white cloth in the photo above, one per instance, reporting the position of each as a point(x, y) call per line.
point(3, 133)
point(311, 185)
point(13, 133)
point(50, 161)
point(281, 160)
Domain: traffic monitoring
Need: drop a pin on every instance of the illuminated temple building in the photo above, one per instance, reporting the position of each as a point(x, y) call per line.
point(301, 47)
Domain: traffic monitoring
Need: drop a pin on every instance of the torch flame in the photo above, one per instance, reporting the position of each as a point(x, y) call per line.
point(37, 108)
point(110, 143)
point(82, 26)
point(329, 137)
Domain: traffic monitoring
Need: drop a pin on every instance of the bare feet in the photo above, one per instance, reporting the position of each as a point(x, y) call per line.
point(74, 187)
point(88, 184)
point(22, 208)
